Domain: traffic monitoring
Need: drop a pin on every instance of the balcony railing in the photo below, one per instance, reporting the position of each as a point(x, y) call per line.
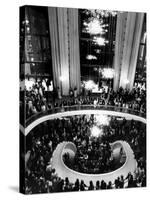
point(84, 107)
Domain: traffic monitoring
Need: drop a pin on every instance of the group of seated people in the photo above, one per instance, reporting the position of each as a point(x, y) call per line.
point(37, 99)
point(41, 142)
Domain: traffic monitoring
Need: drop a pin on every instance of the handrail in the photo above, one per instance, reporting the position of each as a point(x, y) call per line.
point(90, 174)
point(64, 171)
point(84, 107)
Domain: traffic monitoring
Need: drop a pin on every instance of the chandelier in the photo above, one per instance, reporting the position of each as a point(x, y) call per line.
point(100, 41)
point(108, 73)
point(100, 13)
point(89, 85)
point(102, 120)
point(96, 131)
point(94, 27)
point(91, 57)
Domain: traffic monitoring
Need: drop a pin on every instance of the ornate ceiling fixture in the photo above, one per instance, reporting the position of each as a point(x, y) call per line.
point(89, 85)
point(100, 41)
point(102, 120)
point(108, 73)
point(94, 27)
point(96, 132)
point(100, 13)
point(91, 57)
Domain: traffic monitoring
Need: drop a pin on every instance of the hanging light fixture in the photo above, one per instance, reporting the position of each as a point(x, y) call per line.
point(102, 13)
point(94, 27)
point(102, 120)
point(89, 85)
point(91, 57)
point(108, 73)
point(99, 41)
point(96, 131)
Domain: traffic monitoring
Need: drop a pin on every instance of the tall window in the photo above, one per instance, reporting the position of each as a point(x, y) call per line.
point(35, 52)
point(97, 43)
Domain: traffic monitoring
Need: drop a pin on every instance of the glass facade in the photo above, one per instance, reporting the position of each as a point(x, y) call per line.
point(35, 51)
point(97, 42)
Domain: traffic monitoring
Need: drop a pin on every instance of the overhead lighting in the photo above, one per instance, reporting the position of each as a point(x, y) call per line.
point(89, 85)
point(108, 73)
point(97, 50)
point(91, 57)
point(94, 27)
point(28, 29)
point(26, 21)
point(102, 120)
point(96, 131)
point(85, 23)
point(100, 41)
point(102, 13)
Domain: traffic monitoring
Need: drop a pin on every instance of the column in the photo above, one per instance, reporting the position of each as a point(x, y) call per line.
point(128, 34)
point(135, 49)
point(53, 27)
point(74, 53)
point(63, 49)
point(127, 50)
point(64, 35)
point(120, 36)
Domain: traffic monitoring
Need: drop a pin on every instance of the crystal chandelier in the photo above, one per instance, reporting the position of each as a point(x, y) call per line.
point(100, 13)
point(100, 41)
point(108, 73)
point(102, 120)
point(94, 27)
point(96, 132)
point(91, 57)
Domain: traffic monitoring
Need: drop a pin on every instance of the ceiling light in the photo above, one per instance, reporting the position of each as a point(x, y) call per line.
point(91, 57)
point(108, 73)
point(62, 78)
point(100, 41)
point(94, 27)
point(102, 120)
point(89, 85)
point(96, 131)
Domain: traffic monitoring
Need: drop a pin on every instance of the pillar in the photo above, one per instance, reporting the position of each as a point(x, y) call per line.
point(119, 43)
point(128, 34)
point(64, 36)
point(135, 49)
point(74, 50)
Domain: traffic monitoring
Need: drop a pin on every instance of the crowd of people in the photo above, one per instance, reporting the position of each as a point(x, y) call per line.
point(37, 98)
point(93, 154)
point(93, 157)
point(42, 140)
